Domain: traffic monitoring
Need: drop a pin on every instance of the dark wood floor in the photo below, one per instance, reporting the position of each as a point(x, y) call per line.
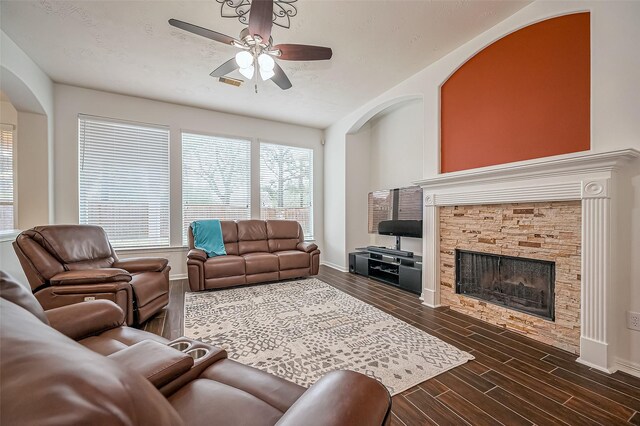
point(513, 380)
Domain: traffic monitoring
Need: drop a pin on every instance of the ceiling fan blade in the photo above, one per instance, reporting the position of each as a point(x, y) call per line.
point(301, 52)
point(224, 69)
point(280, 78)
point(210, 34)
point(261, 18)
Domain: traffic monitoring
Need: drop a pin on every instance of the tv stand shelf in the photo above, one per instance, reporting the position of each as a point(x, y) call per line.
point(400, 271)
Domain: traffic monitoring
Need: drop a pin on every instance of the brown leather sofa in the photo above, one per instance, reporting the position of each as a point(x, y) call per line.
point(67, 264)
point(134, 378)
point(257, 251)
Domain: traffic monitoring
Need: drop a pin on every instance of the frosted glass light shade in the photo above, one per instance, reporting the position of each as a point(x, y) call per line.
point(248, 71)
point(244, 59)
point(266, 62)
point(266, 74)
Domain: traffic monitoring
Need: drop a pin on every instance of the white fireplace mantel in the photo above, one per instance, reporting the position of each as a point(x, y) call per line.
point(589, 177)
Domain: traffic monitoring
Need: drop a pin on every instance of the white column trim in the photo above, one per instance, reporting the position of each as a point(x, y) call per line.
point(431, 252)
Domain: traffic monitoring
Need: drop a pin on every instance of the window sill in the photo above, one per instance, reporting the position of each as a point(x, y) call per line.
point(9, 235)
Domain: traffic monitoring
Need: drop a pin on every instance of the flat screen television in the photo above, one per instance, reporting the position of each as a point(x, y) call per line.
point(396, 212)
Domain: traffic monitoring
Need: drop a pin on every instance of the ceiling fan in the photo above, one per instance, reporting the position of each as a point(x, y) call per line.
point(258, 51)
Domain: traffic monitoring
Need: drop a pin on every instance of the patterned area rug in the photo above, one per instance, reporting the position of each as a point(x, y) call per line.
point(301, 330)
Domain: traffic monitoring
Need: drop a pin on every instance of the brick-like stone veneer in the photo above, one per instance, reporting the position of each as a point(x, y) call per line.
point(545, 231)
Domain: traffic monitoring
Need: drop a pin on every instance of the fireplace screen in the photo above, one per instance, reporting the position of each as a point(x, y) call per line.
point(519, 283)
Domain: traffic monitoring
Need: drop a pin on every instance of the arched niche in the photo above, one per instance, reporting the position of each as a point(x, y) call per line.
point(383, 149)
point(524, 96)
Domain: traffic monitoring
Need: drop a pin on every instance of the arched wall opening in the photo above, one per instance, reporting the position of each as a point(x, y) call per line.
point(384, 150)
point(31, 151)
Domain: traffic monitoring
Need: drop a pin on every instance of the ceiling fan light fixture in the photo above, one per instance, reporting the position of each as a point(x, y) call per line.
point(244, 59)
point(266, 62)
point(247, 72)
point(266, 74)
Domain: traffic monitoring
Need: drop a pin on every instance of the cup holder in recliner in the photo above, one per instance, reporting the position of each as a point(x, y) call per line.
point(181, 346)
point(197, 353)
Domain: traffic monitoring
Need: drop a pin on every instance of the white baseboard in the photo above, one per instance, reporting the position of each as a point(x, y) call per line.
point(177, 277)
point(334, 266)
point(628, 367)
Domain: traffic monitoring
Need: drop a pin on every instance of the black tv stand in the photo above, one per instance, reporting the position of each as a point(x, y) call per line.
point(388, 266)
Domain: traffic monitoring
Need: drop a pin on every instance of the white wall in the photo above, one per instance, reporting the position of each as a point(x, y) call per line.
point(358, 152)
point(615, 101)
point(71, 101)
point(397, 137)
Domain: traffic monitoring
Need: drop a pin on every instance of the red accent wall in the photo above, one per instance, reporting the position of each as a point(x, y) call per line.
point(525, 96)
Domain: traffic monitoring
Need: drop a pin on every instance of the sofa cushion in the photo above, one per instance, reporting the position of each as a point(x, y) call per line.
point(274, 390)
point(75, 243)
point(224, 266)
point(205, 401)
point(252, 236)
point(230, 236)
point(293, 259)
point(258, 263)
point(283, 234)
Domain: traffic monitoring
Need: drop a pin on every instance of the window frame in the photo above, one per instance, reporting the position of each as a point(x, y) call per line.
point(119, 121)
point(308, 236)
point(10, 127)
point(251, 142)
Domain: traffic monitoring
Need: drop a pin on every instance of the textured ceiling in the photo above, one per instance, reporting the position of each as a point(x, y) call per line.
point(128, 47)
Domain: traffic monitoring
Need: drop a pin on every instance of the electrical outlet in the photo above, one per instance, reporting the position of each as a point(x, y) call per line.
point(633, 320)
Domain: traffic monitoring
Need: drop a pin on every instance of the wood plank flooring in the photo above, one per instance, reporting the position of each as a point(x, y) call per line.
point(513, 380)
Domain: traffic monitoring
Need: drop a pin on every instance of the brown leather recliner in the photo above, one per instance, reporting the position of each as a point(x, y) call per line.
point(48, 379)
point(257, 251)
point(67, 264)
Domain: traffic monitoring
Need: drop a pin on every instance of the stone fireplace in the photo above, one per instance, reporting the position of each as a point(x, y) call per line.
point(556, 209)
point(522, 261)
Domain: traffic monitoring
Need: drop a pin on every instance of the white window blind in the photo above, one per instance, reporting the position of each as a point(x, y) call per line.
point(124, 180)
point(286, 184)
point(216, 179)
point(6, 177)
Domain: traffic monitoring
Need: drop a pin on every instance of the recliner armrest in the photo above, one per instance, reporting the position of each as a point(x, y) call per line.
point(158, 363)
point(86, 319)
point(197, 254)
point(90, 276)
point(142, 264)
point(307, 247)
point(329, 403)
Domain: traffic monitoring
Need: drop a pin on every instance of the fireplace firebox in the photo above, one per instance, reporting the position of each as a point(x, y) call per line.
point(519, 283)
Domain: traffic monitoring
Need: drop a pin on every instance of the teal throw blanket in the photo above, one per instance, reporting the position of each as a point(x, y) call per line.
point(207, 236)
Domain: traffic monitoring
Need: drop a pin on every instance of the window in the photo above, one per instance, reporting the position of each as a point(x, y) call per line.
point(216, 179)
point(124, 180)
point(286, 184)
point(6, 177)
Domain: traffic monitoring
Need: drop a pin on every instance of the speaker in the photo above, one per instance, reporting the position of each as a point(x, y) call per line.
point(352, 263)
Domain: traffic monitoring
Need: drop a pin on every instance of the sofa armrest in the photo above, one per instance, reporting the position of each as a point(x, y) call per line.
point(142, 264)
point(340, 398)
point(158, 363)
point(307, 247)
point(86, 319)
point(197, 254)
point(90, 276)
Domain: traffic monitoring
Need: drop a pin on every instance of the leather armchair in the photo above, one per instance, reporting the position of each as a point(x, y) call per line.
point(146, 381)
point(67, 264)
